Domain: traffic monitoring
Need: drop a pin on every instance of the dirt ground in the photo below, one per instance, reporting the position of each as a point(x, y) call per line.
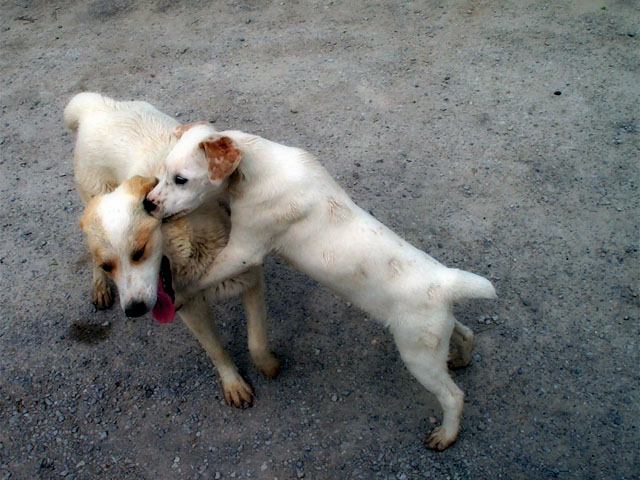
point(499, 136)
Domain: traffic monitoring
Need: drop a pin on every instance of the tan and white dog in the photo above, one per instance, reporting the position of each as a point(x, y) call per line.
point(115, 141)
point(283, 200)
point(129, 242)
point(145, 258)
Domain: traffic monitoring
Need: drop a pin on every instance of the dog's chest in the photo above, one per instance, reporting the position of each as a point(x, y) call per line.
point(191, 250)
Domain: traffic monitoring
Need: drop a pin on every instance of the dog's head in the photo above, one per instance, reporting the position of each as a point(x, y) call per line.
point(126, 242)
point(197, 168)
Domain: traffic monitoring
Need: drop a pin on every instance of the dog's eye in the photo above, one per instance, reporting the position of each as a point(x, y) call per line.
point(180, 180)
point(107, 267)
point(137, 255)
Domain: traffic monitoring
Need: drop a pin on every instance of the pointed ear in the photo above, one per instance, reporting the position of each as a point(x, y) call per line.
point(139, 186)
point(180, 129)
point(222, 155)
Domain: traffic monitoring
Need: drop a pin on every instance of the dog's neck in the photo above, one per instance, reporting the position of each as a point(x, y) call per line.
point(258, 159)
point(266, 164)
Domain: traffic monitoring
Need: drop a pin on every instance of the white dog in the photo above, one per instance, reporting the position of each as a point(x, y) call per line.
point(283, 200)
point(146, 258)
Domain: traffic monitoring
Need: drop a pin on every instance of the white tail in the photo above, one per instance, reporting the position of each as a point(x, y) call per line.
point(463, 284)
point(82, 104)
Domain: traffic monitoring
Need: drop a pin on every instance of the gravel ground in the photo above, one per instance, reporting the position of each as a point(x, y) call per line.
point(500, 136)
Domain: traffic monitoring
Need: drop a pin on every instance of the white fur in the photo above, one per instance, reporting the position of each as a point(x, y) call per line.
point(188, 161)
point(286, 202)
point(115, 141)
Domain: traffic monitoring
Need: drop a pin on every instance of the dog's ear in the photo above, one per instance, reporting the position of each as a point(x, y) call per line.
point(139, 186)
point(88, 213)
point(222, 155)
point(180, 129)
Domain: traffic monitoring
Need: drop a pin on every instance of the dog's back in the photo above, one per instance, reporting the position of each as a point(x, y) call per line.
point(115, 141)
point(88, 103)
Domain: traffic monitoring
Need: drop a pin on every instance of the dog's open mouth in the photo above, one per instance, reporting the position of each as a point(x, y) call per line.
point(164, 310)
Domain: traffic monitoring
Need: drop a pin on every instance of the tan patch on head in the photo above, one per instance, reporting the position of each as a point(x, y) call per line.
point(142, 237)
point(337, 211)
point(139, 186)
point(91, 225)
point(103, 260)
point(223, 157)
point(89, 215)
point(180, 129)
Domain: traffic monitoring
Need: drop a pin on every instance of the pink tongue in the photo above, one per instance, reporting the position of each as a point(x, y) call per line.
point(163, 310)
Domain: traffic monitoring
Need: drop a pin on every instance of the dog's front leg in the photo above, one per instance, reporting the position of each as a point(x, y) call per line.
point(101, 294)
point(256, 312)
point(195, 314)
point(234, 259)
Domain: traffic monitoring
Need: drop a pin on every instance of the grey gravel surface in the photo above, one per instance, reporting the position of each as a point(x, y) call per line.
point(501, 137)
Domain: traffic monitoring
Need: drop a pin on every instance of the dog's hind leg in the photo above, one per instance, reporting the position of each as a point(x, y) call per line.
point(195, 314)
point(424, 346)
point(462, 338)
point(256, 312)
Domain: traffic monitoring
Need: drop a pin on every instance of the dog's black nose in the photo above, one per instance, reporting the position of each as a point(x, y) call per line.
point(136, 309)
point(148, 205)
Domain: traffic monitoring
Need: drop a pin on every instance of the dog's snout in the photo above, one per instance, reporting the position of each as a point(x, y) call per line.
point(149, 206)
point(135, 309)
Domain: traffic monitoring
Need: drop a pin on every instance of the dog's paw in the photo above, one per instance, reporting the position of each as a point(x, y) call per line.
point(457, 359)
point(440, 439)
point(101, 296)
point(466, 344)
point(461, 348)
point(268, 364)
point(237, 392)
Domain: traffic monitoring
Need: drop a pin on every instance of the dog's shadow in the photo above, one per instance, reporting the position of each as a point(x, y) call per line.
point(89, 333)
